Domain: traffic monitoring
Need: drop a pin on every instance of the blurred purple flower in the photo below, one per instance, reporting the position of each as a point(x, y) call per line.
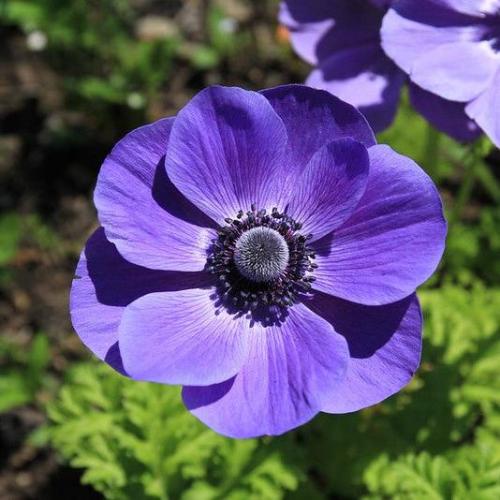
point(452, 49)
point(342, 39)
point(261, 250)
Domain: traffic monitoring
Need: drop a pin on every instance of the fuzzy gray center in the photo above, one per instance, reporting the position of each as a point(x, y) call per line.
point(261, 254)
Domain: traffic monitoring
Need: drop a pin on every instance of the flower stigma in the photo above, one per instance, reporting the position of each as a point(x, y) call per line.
point(261, 254)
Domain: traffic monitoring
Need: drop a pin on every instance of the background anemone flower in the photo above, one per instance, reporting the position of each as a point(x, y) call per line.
point(452, 49)
point(263, 251)
point(342, 39)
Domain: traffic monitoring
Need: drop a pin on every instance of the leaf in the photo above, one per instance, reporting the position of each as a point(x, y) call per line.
point(136, 440)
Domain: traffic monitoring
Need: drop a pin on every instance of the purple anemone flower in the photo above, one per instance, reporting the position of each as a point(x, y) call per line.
point(451, 48)
point(263, 251)
point(342, 39)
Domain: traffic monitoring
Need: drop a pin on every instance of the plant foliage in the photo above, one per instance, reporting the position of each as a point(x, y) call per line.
point(135, 440)
point(23, 372)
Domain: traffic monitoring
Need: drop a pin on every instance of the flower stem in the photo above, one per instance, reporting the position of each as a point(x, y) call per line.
point(471, 161)
point(431, 150)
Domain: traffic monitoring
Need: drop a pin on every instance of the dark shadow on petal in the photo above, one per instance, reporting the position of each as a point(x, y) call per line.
point(114, 359)
point(196, 397)
point(166, 194)
point(432, 14)
point(446, 116)
point(234, 116)
point(368, 59)
point(118, 282)
point(365, 328)
point(323, 246)
point(353, 22)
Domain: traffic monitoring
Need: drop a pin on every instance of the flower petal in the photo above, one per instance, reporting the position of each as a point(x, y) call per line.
point(307, 26)
point(433, 26)
point(394, 240)
point(141, 211)
point(319, 28)
point(364, 77)
point(457, 71)
point(302, 108)
point(226, 152)
point(473, 8)
point(330, 187)
point(104, 284)
point(485, 110)
point(289, 372)
point(447, 116)
point(182, 338)
point(385, 344)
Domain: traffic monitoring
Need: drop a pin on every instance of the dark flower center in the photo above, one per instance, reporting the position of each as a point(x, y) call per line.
point(261, 259)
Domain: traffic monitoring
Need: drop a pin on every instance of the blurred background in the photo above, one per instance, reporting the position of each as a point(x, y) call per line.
point(75, 76)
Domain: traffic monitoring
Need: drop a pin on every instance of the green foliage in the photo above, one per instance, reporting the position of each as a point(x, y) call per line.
point(463, 332)
point(92, 43)
point(136, 440)
point(224, 37)
point(10, 236)
point(471, 473)
point(104, 61)
point(17, 229)
point(412, 136)
point(23, 372)
point(473, 248)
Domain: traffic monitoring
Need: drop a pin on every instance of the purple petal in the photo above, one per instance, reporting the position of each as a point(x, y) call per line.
point(364, 77)
point(330, 187)
point(226, 152)
point(319, 28)
point(385, 344)
point(447, 116)
point(435, 27)
point(394, 240)
point(104, 284)
point(471, 7)
point(142, 213)
point(485, 110)
point(289, 373)
point(306, 28)
point(182, 337)
point(426, 22)
point(302, 109)
point(458, 71)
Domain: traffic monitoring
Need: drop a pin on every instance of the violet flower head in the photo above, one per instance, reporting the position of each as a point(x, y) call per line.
point(342, 39)
point(263, 251)
point(451, 48)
